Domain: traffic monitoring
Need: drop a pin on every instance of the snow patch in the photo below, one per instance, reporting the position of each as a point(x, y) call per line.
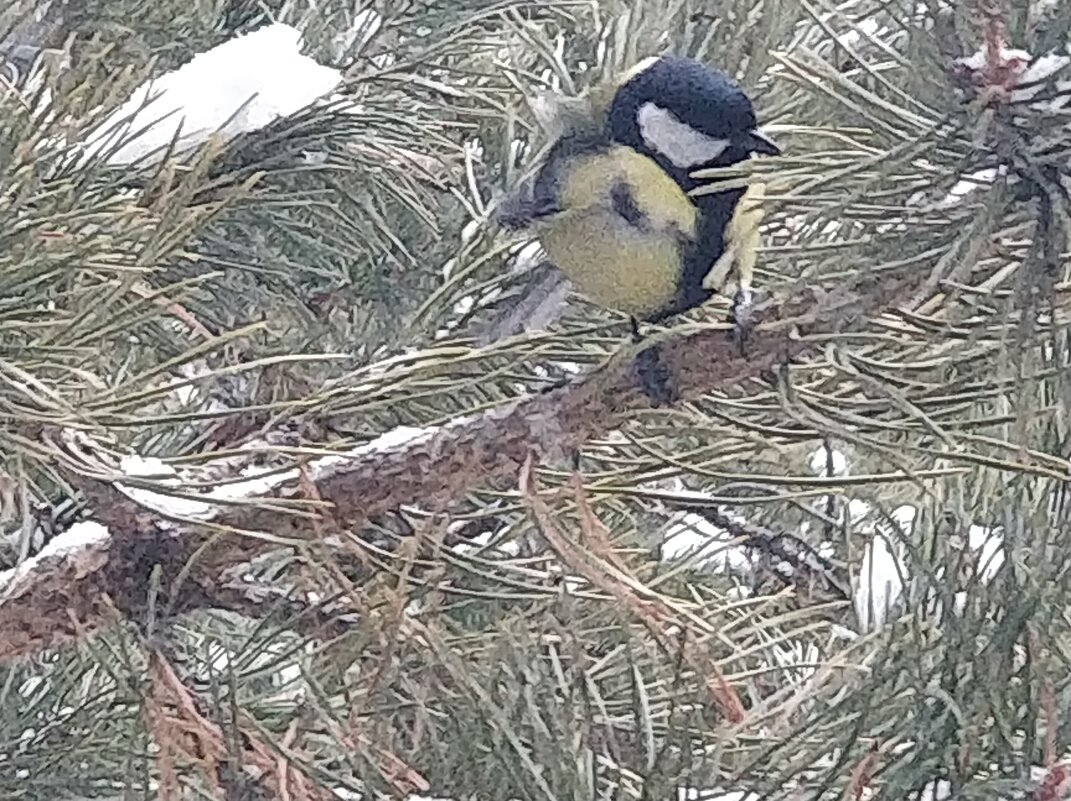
point(258, 481)
point(242, 85)
point(822, 460)
point(692, 536)
point(879, 584)
point(82, 534)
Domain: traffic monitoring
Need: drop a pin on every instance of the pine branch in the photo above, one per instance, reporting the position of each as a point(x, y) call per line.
point(342, 493)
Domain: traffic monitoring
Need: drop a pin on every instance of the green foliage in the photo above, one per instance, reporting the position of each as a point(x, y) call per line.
point(326, 257)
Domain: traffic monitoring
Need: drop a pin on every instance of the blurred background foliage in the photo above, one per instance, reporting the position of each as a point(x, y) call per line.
point(326, 273)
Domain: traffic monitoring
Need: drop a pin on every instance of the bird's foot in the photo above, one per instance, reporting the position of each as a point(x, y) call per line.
point(654, 378)
point(740, 318)
point(778, 375)
point(742, 315)
point(634, 327)
point(574, 459)
point(651, 374)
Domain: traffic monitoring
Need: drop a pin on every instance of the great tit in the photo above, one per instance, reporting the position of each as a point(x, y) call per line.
point(609, 202)
point(615, 223)
point(689, 117)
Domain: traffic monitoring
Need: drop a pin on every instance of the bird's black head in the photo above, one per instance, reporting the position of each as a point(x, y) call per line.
point(686, 115)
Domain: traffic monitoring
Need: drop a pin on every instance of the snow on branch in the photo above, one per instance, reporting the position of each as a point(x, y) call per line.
point(141, 545)
point(180, 552)
point(241, 85)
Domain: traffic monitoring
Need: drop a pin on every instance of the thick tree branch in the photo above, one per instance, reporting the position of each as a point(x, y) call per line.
point(67, 595)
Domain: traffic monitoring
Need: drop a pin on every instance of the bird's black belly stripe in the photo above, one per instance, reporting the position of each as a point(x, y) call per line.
point(624, 204)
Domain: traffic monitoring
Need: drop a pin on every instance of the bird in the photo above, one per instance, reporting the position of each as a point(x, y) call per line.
point(690, 117)
point(620, 227)
point(614, 203)
point(612, 221)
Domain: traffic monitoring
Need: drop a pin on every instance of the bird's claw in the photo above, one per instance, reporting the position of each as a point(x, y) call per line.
point(574, 459)
point(740, 317)
point(654, 378)
point(634, 328)
point(652, 374)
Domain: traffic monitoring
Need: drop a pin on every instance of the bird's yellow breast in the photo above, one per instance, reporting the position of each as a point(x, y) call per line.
point(633, 261)
point(613, 265)
point(658, 196)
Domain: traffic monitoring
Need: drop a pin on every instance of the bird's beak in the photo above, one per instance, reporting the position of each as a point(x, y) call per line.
point(758, 142)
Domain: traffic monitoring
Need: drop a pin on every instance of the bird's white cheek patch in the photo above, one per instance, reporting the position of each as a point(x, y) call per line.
point(677, 141)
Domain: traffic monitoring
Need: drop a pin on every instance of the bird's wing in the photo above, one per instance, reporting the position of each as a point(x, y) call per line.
point(741, 242)
point(537, 306)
